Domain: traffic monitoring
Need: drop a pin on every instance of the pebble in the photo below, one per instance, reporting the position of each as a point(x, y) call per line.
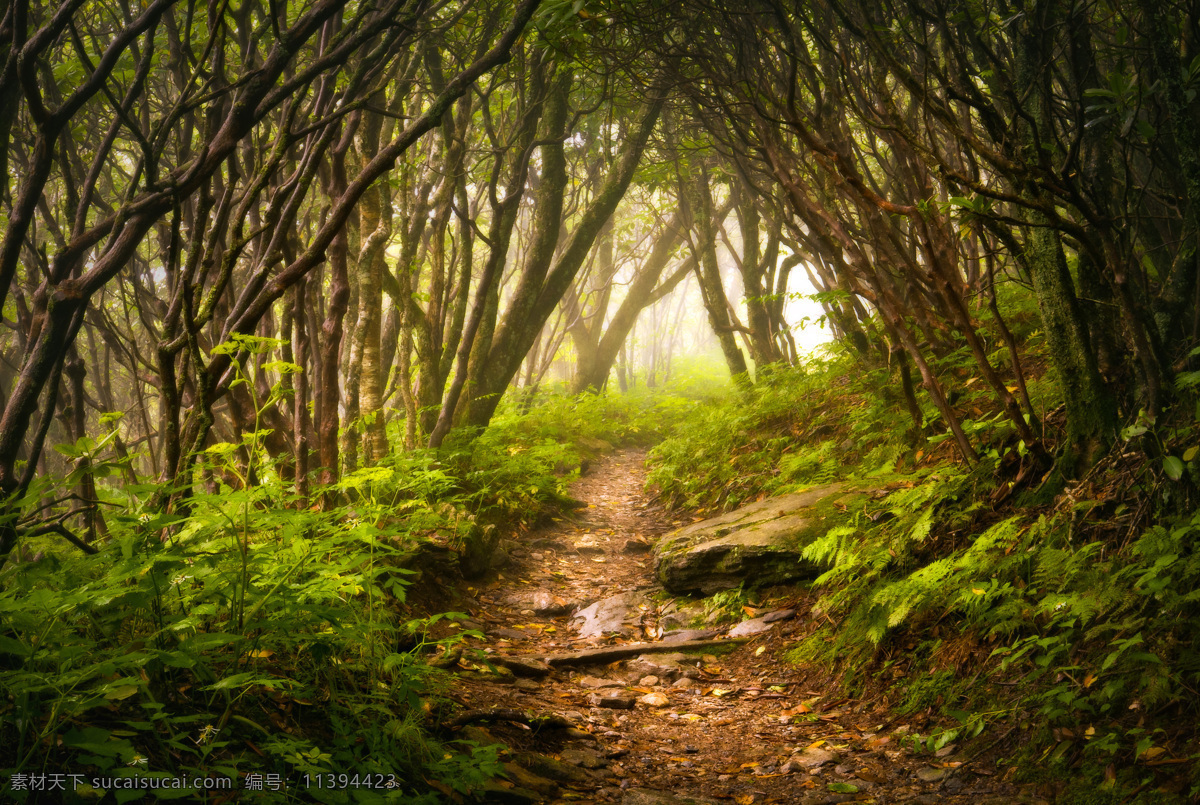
point(655, 700)
point(649, 681)
point(537, 557)
point(527, 685)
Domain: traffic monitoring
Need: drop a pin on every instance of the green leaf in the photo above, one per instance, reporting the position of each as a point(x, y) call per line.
point(1173, 467)
point(842, 788)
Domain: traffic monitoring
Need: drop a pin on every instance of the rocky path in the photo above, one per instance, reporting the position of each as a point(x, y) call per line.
point(723, 722)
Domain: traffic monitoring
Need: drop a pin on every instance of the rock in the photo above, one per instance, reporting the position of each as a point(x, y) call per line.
point(646, 796)
point(429, 559)
point(469, 625)
point(539, 602)
point(674, 615)
point(752, 626)
point(599, 682)
point(679, 635)
point(583, 757)
point(791, 767)
point(760, 543)
point(507, 634)
point(592, 445)
point(611, 614)
point(779, 615)
point(546, 543)
point(477, 734)
point(813, 758)
point(655, 700)
point(537, 557)
point(649, 681)
point(527, 667)
point(499, 559)
point(663, 666)
point(523, 778)
point(612, 701)
point(551, 769)
point(493, 792)
point(579, 735)
point(527, 685)
point(589, 546)
point(930, 775)
point(636, 546)
point(683, 683)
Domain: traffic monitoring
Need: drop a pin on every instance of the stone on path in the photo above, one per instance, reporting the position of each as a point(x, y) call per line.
point(612, 701)
point(636, 546)
point(760, 544)
point(761, 624)
point(583, 757)
point(663, 666)
point(646, 796)
point(813, 758)
point(611, 614)
point(540, 602)
point(598, 682)
point(528, 667)
point(679, 635)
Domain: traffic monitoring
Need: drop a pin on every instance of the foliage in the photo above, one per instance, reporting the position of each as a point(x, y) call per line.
point(1083, 616)
point(246, 620)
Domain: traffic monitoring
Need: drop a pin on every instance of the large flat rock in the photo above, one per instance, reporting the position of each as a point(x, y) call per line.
point(619, 613)
point(759, 544)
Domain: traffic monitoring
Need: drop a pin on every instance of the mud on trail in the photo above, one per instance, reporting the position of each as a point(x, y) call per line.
point(720, 721)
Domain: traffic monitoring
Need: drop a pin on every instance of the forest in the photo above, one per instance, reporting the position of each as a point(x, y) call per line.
point(351, 349)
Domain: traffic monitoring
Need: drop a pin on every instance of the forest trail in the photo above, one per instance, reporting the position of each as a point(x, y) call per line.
point(729, 724)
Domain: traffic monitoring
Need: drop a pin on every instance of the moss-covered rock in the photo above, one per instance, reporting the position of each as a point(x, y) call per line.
point(759, 544)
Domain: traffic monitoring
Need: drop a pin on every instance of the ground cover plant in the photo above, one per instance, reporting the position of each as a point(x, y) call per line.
point(1067, 617)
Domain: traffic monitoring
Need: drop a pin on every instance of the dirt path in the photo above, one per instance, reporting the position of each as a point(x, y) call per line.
point(735, 724)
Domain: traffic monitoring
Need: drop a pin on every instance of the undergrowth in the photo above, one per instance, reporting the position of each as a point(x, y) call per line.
point(1075, 624)
point(249, 639)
